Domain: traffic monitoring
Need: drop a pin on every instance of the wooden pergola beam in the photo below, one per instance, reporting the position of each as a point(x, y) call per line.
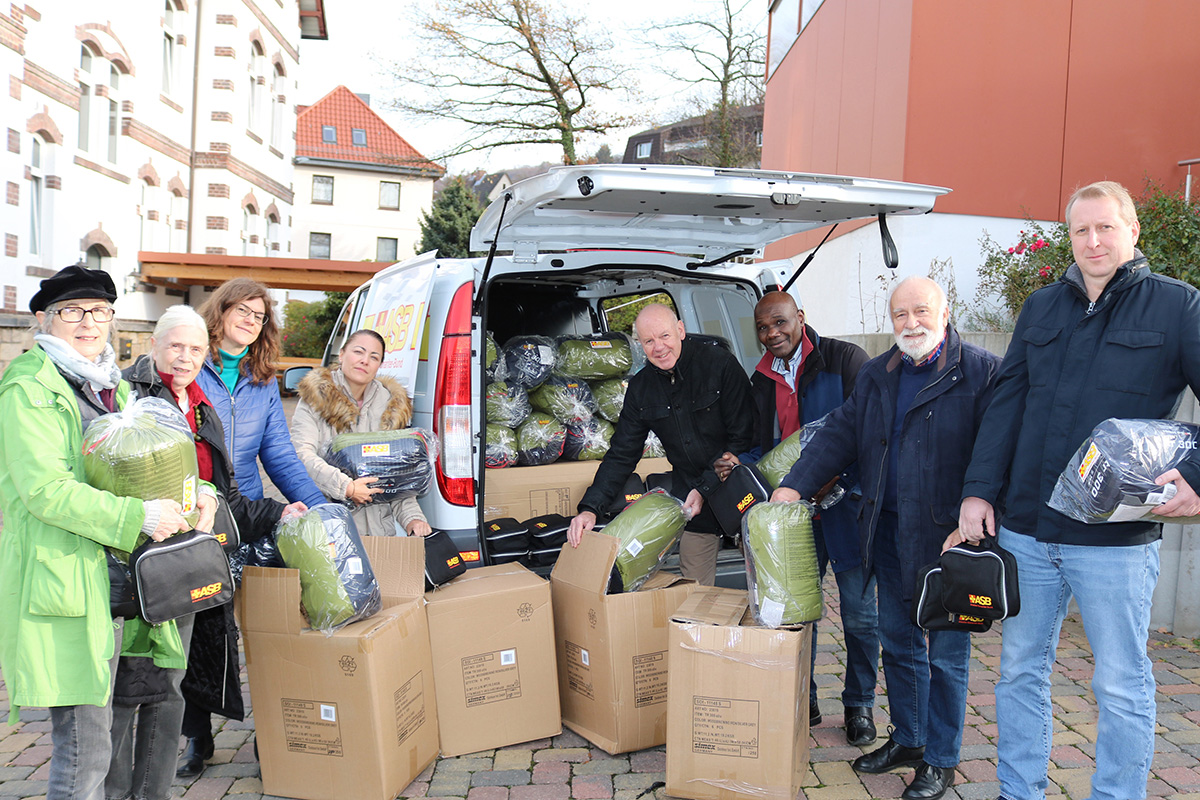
point(179, 270)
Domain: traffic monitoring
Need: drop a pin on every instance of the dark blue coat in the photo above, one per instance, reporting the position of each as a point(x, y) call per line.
point(935, 446)
point(256, 428)
point(1072, 364)
point(826, 379)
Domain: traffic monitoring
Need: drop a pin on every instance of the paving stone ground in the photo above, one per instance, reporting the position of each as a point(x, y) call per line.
point(567, 767)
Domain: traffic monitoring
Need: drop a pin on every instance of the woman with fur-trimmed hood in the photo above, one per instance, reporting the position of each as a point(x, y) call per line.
point(350, 399)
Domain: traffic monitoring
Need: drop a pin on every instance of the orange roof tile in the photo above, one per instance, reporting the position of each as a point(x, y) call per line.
point(345, 111)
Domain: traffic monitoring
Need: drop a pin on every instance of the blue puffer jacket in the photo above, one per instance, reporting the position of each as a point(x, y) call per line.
point(1071, 365)
point(256, 428)
point(935, 446)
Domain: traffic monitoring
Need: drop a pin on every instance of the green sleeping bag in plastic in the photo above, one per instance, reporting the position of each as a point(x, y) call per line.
point(648, 529)
point(500, 447)
point(568, 400)
point(610, 397)
point(507, 404)
point(337, 584)
point(540, 440)
point(594, 357)
point(781, 564)
point(778, 461)
point(145, 451)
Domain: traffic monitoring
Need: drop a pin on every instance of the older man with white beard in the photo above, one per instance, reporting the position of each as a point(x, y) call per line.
point(909, 423)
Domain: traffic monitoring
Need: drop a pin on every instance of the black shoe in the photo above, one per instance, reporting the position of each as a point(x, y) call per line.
point(860, 726)
point(191, 762)
point(930, 783)
point(814, 714)
point(889, 757)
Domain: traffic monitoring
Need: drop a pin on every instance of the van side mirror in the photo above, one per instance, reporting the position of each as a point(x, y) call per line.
point(292, 377)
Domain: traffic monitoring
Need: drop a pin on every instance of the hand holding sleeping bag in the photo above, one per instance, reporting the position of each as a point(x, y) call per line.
point(648, 529)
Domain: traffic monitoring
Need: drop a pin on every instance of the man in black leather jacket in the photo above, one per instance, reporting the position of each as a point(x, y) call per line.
point(696, 398)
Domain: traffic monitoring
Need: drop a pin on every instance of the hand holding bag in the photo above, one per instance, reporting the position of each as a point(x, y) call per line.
point(186, 573)
point(967, 588)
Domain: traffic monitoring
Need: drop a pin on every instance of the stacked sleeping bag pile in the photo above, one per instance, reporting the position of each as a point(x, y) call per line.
point(401, 460)
point(337, 585)
point(1111, 478)
point(579, 382)
point(781, 564)
point(145, 451)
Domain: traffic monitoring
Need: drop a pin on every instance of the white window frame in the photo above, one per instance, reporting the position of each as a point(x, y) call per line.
point(322, 180)
point(312, 240)
point(643, 149)
point(382, 186)
point(379, 245)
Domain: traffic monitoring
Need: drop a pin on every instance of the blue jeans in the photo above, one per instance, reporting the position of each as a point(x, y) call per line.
point(1113, 587)
point(144, 758)
point(926, 680)
point(860, 622)
point(79, 759)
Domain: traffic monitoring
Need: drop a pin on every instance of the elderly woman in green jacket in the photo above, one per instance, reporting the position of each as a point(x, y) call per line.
point(58, 640)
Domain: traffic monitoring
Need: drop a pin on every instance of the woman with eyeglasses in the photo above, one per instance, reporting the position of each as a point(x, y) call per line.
point(58, 640)
point(144, 756)
point(238, 378)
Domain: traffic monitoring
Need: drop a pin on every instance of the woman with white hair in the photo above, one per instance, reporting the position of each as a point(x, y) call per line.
point(144, 768)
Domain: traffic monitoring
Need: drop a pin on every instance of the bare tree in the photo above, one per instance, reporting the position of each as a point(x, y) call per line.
point(724, 57)
point(517, 72)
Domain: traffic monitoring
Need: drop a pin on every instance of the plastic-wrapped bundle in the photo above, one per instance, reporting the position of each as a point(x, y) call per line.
point(500, 447)
point(589, 441)
point(648, 529)
point(146, 451)
point(653, 448)
point(401, 460)
point(1111, 477)
point(778, 461)
point(337, 585)
point(528, 360)
point(507, 404)
point(594, 357)
point(262, 552)
point(540, 440)
point(781, 564)
point(493, 364)
point(610, 397)
point(569, 400)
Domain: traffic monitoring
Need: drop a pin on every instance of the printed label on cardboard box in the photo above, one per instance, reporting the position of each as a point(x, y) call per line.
point(491, 677)
point(649, 679)
point(410, 707)
point(579, 671)
point(725, 726)
point(311, 727)
point(555, 500)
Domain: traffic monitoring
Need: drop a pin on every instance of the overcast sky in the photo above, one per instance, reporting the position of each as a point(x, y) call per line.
point(363, 34)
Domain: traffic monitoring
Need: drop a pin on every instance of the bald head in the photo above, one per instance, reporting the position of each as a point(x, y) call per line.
point(779, 324)
point(661, 335)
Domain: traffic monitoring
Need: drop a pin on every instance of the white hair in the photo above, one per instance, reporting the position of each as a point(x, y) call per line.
point(178, 316)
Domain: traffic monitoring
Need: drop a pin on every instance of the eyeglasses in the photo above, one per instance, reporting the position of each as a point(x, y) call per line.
point(246, 312)
point(75, 313)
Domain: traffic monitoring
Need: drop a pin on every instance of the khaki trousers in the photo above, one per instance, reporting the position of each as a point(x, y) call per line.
point(698, 557)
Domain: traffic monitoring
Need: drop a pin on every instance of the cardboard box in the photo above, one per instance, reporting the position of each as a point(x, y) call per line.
point(527, 492)
point(737, 719)
point(350, 714)
point(612, 649)
point(491, 631)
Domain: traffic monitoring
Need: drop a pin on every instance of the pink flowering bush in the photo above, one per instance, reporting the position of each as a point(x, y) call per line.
point(1038, 258)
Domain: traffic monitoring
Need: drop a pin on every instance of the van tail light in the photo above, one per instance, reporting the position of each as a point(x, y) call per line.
point(452, 403)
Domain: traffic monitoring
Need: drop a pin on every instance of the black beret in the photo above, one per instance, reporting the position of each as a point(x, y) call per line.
point(72, 283)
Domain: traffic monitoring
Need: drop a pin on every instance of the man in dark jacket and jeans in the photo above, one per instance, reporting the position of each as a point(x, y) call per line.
point(695, 397)
point(801, 378)
point(909, 424)
point(1109, 339)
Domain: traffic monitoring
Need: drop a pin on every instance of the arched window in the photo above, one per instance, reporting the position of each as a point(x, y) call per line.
point(99, 105)
point(258, 87)
point(97, 257)
point(272, 243)
point(178, 222)
point(277, 105)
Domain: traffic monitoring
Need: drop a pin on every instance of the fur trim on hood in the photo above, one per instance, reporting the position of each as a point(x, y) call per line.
point(337, 408)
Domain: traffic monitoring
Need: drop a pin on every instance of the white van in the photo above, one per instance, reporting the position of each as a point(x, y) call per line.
point(566, 248)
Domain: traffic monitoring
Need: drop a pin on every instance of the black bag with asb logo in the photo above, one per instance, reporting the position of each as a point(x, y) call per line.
point(742, 488)
point(225, 527)
point(967, 588)
point(186, 573)
point(443, 563)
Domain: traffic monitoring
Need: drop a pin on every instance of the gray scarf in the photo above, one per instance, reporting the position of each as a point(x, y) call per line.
point(100, 374)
